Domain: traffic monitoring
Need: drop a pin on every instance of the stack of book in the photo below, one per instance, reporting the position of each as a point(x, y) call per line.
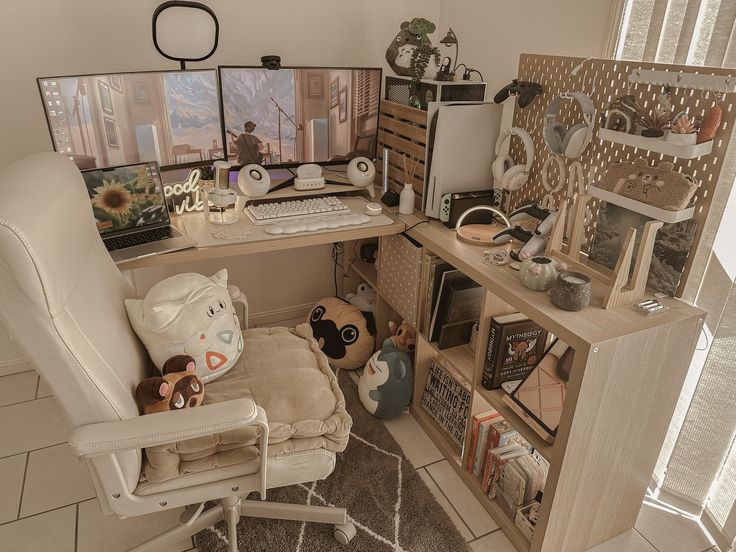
point(452, 304)
point(507, 467)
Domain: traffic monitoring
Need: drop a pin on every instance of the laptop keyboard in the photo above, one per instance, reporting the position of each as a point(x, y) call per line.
point(140, 238)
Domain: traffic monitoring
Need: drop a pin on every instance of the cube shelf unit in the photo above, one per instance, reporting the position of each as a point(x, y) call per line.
point(627, 375)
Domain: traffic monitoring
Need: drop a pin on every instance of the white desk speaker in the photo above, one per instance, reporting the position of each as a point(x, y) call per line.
point(361, 173)
point(254, 180)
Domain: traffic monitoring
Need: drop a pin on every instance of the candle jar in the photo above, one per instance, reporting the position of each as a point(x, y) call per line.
point(571, 291)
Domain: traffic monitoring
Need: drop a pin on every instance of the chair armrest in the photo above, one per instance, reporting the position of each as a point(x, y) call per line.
point(166, 427)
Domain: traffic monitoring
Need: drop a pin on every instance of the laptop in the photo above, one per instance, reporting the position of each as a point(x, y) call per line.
point(130, 211)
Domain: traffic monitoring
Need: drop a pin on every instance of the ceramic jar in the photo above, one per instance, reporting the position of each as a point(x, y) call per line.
point(538, 273)
point(571, 291)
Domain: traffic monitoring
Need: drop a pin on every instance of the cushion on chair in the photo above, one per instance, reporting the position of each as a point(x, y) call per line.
point(287, 375)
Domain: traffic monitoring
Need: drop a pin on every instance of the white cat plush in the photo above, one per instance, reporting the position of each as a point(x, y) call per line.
point(193, 315)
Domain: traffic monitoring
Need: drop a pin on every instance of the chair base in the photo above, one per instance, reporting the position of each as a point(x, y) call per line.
point(231, 508)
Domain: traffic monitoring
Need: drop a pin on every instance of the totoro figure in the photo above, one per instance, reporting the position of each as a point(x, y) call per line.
point(401, 50)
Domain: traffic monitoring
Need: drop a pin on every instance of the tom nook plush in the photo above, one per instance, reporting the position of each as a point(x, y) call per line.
point(345, 334)
point(178, 388)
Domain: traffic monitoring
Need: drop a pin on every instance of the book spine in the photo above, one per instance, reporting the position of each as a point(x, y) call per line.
point(480, 449)
point(497, 469)
point(473, 442)
point(487, 470)
point(489, 366)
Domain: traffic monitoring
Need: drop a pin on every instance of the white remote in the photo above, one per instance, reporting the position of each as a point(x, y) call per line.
point(298, 227)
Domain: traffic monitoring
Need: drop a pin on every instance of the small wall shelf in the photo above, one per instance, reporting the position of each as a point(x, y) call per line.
point(658, 145)
point(641, 207)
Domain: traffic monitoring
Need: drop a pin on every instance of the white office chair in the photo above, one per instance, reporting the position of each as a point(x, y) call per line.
point(61, 297)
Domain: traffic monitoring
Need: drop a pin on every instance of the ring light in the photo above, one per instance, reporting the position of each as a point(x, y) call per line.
point(185, 31)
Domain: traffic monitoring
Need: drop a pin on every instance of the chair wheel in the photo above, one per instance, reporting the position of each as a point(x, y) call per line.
point(344, 532)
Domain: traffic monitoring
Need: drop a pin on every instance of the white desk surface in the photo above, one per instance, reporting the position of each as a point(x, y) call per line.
point(248, 238)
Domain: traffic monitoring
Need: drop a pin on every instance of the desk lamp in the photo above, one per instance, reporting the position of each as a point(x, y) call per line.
point(449, 40)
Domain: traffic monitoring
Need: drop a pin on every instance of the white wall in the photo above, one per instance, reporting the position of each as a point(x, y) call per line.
point(493, 33)
point(98, 36)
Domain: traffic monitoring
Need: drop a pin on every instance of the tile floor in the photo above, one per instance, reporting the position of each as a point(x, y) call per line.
point(47, 499)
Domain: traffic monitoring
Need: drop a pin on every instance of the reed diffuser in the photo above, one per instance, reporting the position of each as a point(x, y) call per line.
point(406, 199)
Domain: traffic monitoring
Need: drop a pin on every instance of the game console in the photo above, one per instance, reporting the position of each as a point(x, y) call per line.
point(455, 204)
point(309, 177)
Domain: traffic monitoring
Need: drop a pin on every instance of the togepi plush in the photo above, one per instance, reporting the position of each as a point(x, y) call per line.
point(364, 298)
point(386, 384)
point(189, 314)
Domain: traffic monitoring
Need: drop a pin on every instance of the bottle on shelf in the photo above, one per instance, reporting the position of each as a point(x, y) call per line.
point(406, 200)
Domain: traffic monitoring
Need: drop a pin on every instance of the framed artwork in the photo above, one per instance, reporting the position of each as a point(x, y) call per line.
point(105, 97)
point(315, 85)
point(141, 93)
point(111, 132)
point(334, 91)
point(343, 104)
point(116, 82)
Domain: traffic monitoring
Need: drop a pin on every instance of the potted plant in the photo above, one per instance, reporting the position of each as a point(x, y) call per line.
point(654, 123)
point(683, 131)
point(422, 54)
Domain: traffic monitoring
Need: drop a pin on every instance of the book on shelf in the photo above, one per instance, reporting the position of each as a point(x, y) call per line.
point(459, 300)
point(495, 461)
point(477, 419)
point(515, 345)
point(435, 268)
point(457, 333)
point(446, 399)
point(519, 481)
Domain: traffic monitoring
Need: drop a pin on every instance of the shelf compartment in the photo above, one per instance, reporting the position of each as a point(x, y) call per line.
point(658, 145)
point(641, 207)
point(366, 271)
point(494, 397)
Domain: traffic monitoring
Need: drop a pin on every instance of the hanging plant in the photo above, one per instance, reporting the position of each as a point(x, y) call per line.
point(423, 53)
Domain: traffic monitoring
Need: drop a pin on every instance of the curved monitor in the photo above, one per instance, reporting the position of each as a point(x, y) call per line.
point(172, 117)
point(297, 115)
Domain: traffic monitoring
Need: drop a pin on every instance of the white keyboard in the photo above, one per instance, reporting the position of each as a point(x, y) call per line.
point(283, 211)
point(312, 225)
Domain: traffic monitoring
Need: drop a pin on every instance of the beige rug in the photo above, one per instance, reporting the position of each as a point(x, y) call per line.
point(386, 499)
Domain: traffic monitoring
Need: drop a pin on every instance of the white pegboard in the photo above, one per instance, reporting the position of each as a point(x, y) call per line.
point(398, 275)
point(605, 80)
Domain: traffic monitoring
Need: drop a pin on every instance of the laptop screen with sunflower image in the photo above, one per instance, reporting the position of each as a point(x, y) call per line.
point(126, 198)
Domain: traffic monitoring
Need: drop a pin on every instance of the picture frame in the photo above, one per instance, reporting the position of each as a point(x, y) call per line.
point(141, 93)
point(116, 82)
point(111, 132)
point(343, 104)
point(334, 92)
point(105, 97)
point(315, 87)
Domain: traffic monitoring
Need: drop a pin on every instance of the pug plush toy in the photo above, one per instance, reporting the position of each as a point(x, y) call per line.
point(178, 388)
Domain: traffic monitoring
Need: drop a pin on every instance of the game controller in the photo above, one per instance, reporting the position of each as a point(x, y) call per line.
point(445, 208)
point(524, 90)
point(545, 216)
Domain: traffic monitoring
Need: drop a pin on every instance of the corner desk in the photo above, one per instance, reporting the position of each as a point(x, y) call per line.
point(627, 375)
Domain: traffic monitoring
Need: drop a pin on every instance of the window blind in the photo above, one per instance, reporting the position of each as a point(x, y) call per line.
point(366, 88)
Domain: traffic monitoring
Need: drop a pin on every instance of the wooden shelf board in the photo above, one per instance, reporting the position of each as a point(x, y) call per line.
point(495, 399)
point(580, 329)
point(640, 207)
point(461, 357)
point(506, 524)
point(365, 270)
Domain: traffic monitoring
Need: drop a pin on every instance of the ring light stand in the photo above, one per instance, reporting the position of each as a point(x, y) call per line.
point(480, 233)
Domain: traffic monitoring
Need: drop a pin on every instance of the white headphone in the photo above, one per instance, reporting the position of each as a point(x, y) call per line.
point(509, 175)
point(561, 141)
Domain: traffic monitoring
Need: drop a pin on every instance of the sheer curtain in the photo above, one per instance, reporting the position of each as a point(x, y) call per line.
point(697, 467)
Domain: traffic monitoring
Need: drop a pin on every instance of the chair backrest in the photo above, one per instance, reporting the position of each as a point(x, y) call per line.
point(62, 297)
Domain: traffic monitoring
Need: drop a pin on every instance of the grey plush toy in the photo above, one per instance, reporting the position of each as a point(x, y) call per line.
point(399, 53)
point(386, 384)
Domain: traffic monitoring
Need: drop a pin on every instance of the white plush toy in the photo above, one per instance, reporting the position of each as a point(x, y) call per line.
point(193, 315)
point(364, 298)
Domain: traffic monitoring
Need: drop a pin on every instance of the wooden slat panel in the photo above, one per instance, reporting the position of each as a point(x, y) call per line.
point(404, 112)
point(402, 129)
point(394, 142)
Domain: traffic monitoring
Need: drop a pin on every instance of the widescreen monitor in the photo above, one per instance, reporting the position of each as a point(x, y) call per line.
point(291, 116)
point(172, 117)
